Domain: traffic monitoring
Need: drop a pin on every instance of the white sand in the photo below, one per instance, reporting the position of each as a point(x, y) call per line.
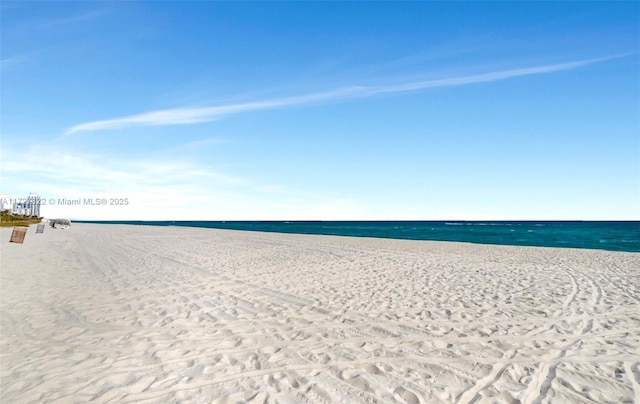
point(160, 314)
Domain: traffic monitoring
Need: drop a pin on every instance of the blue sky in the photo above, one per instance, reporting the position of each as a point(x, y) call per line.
point(323, 110)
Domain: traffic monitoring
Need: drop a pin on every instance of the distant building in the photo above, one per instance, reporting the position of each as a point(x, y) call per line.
point(33, 204)
point(29, 206)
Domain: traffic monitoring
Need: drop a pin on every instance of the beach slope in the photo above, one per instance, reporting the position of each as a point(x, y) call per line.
point(117, 313)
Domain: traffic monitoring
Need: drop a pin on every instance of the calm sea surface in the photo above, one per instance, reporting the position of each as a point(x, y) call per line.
point(613, 236)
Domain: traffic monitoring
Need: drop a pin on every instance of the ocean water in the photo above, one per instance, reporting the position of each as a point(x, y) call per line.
point(612, 236)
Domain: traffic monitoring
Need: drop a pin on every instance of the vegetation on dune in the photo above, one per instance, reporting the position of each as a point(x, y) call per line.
point(9, 219)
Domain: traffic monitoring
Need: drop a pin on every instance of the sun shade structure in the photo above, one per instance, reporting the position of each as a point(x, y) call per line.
point(60, 223)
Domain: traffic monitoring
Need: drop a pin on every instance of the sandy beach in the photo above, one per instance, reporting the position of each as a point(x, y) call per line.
point(116, 313)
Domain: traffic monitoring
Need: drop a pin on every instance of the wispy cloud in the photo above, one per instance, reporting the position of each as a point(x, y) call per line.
point(191, 115)
point(73, 169)
point(157, 190)
point(187, 115)
point(67, 20)
point(14, 60)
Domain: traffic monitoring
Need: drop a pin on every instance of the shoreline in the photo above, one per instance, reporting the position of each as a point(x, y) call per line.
point(423, 234)
point(155, 313)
